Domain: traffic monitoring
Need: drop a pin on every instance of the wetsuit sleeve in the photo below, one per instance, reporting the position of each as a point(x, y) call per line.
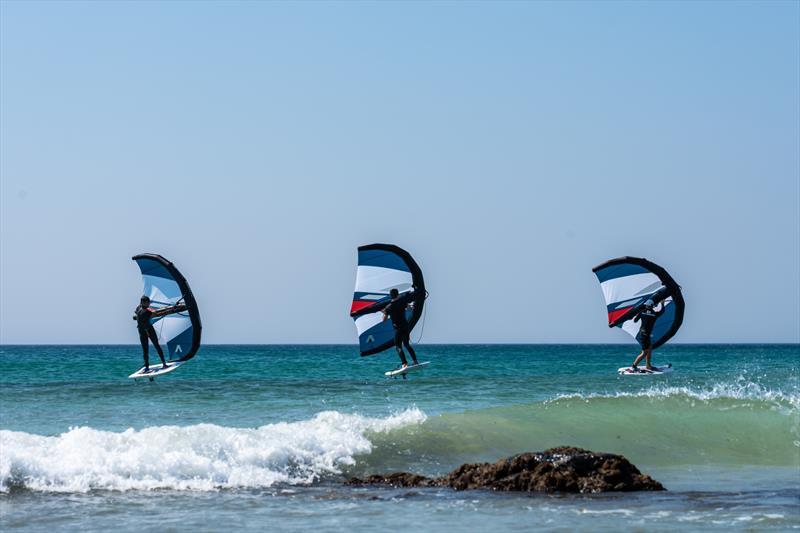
point(380, 306)
point(170, 310)
point(637, 317)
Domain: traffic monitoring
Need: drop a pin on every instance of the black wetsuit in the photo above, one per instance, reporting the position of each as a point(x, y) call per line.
point(396, 310)
point(648, 318)
point(142, 316)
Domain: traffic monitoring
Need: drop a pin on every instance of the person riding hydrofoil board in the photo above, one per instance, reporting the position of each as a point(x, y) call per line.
point(395, 309)
point(142, 316)
point(648, 317)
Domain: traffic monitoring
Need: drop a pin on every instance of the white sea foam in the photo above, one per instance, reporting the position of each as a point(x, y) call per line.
point(199, 457)
point(738, 390)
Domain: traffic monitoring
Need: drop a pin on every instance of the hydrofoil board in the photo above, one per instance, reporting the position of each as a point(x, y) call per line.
point(156, 370)
point(642, 371)
point(403, 371)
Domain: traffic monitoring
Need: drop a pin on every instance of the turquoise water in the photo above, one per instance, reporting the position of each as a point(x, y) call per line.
point(257, 436)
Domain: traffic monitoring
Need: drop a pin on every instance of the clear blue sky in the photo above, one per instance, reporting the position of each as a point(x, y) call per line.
point(510, 147)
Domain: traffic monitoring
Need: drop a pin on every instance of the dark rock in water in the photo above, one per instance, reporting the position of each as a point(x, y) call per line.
point(395, 479)
point(563, 469)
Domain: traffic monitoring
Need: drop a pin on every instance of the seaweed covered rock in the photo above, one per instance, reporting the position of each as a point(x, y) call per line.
point(562, 469)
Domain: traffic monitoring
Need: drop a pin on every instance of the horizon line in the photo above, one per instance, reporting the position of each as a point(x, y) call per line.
point(753, 343)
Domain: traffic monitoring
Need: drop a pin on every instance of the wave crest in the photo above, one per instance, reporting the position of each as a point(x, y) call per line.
point(789, 403)
point(199, 457)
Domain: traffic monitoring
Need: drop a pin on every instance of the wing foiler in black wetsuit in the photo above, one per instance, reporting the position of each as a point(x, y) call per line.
point(648, 318)
point(395, 309)
point(142, 316)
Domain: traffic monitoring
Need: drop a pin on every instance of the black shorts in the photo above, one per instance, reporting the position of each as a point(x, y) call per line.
point(644, 340)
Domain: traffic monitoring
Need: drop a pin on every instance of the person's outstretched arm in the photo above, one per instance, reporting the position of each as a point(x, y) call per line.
point(171, 310)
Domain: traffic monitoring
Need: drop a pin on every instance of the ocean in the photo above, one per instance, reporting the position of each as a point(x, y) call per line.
point(256, 438)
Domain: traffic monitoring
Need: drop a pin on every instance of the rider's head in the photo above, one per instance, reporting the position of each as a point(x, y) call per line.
point(394, 293)
point(145, 300)
point(649, 304)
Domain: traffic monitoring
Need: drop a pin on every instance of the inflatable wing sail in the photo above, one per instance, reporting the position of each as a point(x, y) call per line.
point(178, 333)
point(382, 267)
point(627, 283)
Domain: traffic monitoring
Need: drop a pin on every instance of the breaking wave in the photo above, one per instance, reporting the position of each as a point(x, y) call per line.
point(199, 457)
